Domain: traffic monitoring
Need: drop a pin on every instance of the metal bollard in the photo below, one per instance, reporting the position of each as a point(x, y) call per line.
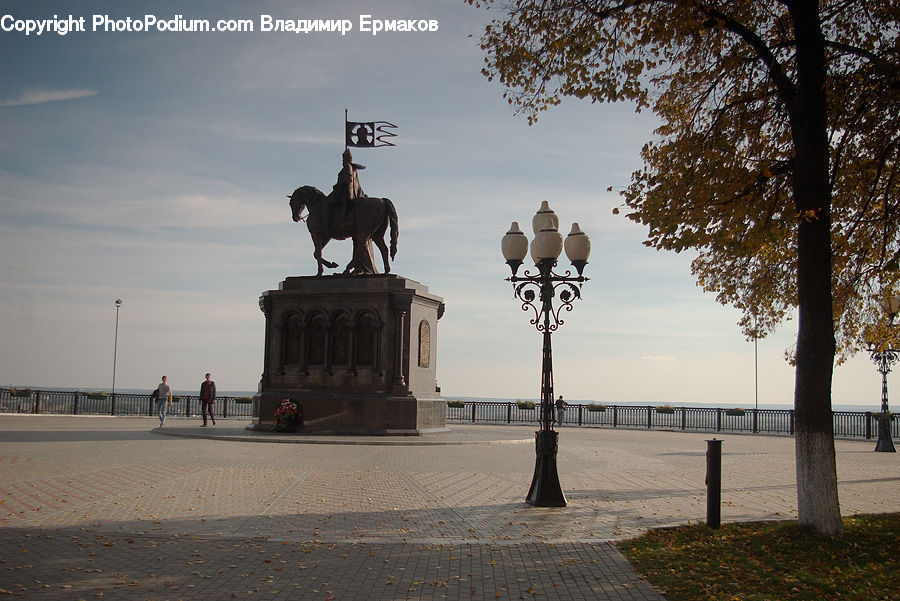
point(714, 483)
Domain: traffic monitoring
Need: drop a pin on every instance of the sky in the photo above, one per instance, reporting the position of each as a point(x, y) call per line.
point(153, 167)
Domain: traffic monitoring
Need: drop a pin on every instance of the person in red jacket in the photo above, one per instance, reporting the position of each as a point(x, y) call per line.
point(208, 399)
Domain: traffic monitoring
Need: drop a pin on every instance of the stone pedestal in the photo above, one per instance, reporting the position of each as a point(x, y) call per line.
point(357, 353)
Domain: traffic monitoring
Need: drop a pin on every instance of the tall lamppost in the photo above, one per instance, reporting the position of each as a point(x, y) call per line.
point(537, 291)
point(884, 360)
point(112, 408)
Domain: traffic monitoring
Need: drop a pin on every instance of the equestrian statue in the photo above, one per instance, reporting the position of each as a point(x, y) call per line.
point(347, 213)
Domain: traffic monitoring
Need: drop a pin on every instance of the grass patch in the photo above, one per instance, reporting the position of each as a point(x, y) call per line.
point(764, 561)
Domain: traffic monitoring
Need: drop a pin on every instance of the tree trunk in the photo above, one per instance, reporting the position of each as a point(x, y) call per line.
point(817, 494)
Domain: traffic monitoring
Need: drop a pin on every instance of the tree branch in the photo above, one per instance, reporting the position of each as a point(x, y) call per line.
point(776, 71)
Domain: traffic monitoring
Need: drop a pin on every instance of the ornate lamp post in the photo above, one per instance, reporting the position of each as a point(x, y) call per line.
point(537, 291)
point(884, 359)
point(112, 408)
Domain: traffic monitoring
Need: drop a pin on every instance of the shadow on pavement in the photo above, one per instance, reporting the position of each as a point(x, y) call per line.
point(73, 563)
point(75, 435)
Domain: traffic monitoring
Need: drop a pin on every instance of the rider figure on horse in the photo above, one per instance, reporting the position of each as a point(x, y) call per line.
point(347, 187)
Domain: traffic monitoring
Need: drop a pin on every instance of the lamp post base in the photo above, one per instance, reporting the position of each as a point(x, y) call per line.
point(545, 490)
point(885, 444)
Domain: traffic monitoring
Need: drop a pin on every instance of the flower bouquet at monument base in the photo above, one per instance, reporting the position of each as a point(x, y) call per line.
point(287, 416)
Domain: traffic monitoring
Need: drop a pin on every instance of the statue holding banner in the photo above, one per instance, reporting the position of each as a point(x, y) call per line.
point(347, 213)
point(347, 187)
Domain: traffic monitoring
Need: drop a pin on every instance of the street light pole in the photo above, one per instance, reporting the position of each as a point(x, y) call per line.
point(546, 490)
point(112, 409)
point(884, 359)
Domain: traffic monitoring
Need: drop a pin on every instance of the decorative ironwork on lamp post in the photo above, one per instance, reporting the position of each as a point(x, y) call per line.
point(884, 359)
point(536, 291)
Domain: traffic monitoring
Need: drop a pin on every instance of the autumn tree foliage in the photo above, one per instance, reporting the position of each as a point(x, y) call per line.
point(776, 161)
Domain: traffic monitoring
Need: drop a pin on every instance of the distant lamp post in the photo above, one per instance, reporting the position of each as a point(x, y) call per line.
point(112, 408)
point(536, 291)
point(884, 360)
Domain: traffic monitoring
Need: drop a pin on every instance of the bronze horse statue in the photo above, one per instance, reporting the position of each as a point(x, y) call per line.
point(366, 219)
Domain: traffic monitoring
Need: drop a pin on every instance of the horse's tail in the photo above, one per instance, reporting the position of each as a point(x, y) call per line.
point(392, 219)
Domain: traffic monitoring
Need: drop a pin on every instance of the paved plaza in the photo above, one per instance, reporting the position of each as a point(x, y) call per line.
point(112, 508)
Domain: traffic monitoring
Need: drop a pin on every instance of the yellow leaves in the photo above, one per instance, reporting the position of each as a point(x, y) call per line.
point(809, 215)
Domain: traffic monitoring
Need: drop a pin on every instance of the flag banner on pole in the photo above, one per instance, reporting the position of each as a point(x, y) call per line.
point(369, 134)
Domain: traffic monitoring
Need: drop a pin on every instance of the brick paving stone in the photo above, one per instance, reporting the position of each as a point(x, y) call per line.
point(111, 508)
point(69, 563)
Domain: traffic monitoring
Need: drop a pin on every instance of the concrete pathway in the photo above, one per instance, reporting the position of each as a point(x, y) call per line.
point(112, 508)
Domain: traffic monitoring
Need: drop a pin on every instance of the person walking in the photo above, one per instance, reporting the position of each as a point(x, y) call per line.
point(163, 400)
point(208, 400)
point(561, 410)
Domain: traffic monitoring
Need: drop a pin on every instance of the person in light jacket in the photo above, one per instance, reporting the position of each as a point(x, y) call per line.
point(163, 400)
point(561, 410)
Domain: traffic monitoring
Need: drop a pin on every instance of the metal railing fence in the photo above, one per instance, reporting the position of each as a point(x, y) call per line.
point(847, 424)
point(86, 403)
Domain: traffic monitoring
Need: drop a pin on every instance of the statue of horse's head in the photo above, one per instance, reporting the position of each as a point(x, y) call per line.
point(308, 196)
